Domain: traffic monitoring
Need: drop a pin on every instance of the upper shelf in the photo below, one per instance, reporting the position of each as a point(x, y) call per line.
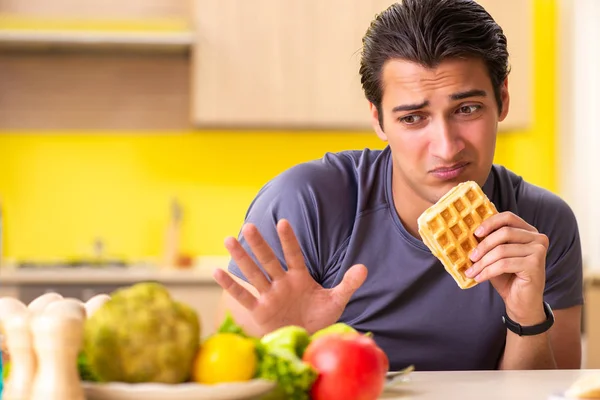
point(78, 40)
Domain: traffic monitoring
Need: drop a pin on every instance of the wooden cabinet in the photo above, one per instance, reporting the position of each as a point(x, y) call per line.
point(95, 65)
point(294, 64)
point(253, 64)
point(93, 91)
point(98, 10)
point(280, 63)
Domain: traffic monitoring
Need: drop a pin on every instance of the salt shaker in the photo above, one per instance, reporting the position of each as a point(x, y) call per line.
point(22, 357)
point(38, 304)
point(95, 303)
point(57, 339)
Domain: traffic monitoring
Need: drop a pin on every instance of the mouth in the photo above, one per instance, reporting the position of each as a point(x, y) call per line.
point(449, 173)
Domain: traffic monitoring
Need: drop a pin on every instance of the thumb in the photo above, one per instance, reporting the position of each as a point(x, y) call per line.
point(353, 279)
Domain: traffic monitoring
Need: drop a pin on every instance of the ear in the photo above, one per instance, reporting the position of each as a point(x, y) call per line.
point(505, 100)
point(375, 122)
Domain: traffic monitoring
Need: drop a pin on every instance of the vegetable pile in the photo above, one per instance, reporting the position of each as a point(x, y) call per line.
point(142, 335)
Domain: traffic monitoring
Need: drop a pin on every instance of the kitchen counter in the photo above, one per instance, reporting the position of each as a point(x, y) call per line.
point(201, 273)
point(115, 275)
point(195, 286)
point(489, 385)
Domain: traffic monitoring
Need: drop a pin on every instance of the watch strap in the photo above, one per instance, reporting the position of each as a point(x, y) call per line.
point(530, 330)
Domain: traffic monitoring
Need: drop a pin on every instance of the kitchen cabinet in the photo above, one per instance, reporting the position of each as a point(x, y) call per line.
point(95, 65)
point(93, 91)
point(294, 64)
point(98, 10)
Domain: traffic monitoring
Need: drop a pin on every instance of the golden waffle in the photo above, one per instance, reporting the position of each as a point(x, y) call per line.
point(447, 228)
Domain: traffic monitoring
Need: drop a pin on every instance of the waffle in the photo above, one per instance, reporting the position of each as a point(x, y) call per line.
point(447, 228)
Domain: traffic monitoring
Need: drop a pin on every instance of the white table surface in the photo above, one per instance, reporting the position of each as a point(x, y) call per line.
point(487, 385)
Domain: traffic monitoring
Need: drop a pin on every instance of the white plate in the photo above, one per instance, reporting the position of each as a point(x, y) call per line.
point(185, 391)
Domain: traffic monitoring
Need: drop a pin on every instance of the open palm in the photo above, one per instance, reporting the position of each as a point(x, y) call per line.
point(289, 297)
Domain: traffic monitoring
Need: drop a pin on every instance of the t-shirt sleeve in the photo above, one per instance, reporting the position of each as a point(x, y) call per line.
point(564, 265)
point(308, 196)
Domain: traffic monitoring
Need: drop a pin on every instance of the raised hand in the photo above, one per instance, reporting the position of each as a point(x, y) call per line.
point(289, 297)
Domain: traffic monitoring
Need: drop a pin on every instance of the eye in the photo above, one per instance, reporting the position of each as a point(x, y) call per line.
point(411, 119)
point(468, 109)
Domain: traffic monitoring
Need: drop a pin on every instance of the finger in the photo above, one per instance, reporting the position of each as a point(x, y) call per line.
point(497, 221)
point(234, 289)
point(253, 274)
point(353, 279)
point(512, 265)
point(499, 237)
point(291, 248)
point(263, 252)
point(498, 253)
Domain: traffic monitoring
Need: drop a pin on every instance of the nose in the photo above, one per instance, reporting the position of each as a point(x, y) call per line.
point(446, 141)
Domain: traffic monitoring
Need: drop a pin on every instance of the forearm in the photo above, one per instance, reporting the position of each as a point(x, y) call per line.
point(528, 352)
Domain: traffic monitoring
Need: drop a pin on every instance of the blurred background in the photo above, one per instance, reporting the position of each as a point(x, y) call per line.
point(133, 136)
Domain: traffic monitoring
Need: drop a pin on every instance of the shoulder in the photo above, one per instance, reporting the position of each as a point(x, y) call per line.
point(335, 180)
point(320, 198)
point(552, 216)
point(538, 206)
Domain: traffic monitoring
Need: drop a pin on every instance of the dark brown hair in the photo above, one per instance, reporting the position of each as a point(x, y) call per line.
point(428, 32)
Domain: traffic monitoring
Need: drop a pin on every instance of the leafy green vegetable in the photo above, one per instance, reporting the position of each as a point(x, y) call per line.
point(292, 338)
point(85, 373)
point(294, 377)
point(229, 326)
point(280, 360)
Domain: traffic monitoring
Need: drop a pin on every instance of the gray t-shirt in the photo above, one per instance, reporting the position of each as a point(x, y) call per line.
point(342, 211)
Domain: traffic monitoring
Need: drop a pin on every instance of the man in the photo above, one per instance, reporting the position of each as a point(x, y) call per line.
point(336, 239)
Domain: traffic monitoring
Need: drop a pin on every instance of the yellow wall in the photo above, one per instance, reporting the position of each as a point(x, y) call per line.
point(61, 190)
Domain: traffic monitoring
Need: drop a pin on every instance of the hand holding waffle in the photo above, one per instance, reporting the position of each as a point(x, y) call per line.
point(512, 256)
point(475, 243)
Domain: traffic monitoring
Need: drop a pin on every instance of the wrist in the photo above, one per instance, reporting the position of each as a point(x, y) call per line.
point(528, 326)
point(530, 317)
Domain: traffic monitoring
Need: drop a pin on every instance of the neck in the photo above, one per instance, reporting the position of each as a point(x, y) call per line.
point(408, 204)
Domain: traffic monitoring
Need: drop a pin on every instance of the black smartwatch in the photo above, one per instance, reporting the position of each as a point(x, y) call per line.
point(530, 330)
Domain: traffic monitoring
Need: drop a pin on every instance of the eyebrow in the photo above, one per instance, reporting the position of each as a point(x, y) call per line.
point(454, 96)
point(410, 107)
point(468, 93)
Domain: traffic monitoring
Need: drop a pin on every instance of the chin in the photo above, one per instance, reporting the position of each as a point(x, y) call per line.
point(436, 193)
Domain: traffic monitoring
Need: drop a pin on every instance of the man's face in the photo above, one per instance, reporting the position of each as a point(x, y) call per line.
point(440, 124)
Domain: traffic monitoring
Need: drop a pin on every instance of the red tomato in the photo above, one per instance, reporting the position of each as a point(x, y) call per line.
point(350, 367)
